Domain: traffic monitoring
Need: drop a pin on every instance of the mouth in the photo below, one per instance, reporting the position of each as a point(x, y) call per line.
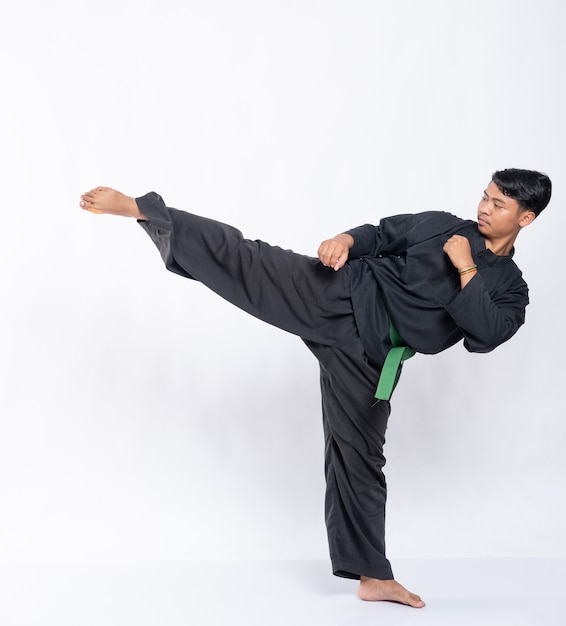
point(482, 222)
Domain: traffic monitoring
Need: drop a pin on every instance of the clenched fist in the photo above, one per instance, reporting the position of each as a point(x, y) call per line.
point(459, 252)
point(334, 252)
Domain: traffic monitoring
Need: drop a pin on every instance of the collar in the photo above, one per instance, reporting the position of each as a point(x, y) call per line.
point(481, 251)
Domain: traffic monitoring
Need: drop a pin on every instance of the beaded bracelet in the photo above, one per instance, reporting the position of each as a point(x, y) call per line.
point(467, 270)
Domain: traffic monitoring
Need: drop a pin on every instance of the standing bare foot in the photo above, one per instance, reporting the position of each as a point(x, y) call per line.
point(106, 200)
point(374, 590)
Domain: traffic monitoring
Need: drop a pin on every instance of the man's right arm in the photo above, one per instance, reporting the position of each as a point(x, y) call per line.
point(334, 252)
point(393, 234)
point(356, 242)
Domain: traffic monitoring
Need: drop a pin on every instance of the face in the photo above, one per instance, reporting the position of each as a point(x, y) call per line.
point(500, 217)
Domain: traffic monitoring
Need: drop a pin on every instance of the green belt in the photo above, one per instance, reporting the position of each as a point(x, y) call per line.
point(391, 370)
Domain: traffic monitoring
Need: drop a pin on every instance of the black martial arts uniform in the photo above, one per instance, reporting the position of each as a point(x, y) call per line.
point(397, 273)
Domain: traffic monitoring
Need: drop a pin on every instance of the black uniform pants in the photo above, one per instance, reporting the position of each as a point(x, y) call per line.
point(298, 294)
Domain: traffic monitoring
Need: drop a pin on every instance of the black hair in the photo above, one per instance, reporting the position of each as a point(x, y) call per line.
point(529, 188)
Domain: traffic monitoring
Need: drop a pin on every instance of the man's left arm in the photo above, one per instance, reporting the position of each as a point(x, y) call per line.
point(487, 320)
point(459, 252)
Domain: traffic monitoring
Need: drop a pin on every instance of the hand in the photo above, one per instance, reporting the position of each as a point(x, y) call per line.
point(459, 251)
point(334, 252)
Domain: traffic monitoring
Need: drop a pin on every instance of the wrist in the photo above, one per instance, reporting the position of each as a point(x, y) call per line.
point(346, 239)
point(467, 269)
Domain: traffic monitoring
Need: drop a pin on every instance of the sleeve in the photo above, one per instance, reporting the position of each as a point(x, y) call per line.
point(395, 234)
point(485, 320)
point(369, 240)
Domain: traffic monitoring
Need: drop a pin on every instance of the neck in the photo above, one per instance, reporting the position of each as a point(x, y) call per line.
point(500, 247)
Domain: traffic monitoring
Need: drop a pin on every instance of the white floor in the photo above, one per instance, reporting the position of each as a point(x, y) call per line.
point(529, 592)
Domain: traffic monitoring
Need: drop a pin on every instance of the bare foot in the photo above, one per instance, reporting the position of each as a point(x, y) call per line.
point(374, 590)
point(106, 200)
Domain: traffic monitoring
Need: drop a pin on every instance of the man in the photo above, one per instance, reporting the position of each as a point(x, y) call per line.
point(414, 283)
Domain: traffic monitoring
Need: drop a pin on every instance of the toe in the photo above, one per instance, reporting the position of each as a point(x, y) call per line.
point(415, 601)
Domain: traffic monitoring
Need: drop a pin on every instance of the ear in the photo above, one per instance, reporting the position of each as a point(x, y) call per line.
point(526, 218)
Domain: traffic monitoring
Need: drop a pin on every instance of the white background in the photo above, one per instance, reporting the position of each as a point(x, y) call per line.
point(144, 419)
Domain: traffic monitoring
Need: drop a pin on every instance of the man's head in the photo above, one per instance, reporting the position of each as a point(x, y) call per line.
point(530, 189)
point(512, 200)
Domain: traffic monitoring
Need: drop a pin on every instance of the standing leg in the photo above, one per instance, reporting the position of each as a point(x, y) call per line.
point(354, 428)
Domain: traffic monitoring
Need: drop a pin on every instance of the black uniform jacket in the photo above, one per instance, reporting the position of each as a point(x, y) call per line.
point(399, 268)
